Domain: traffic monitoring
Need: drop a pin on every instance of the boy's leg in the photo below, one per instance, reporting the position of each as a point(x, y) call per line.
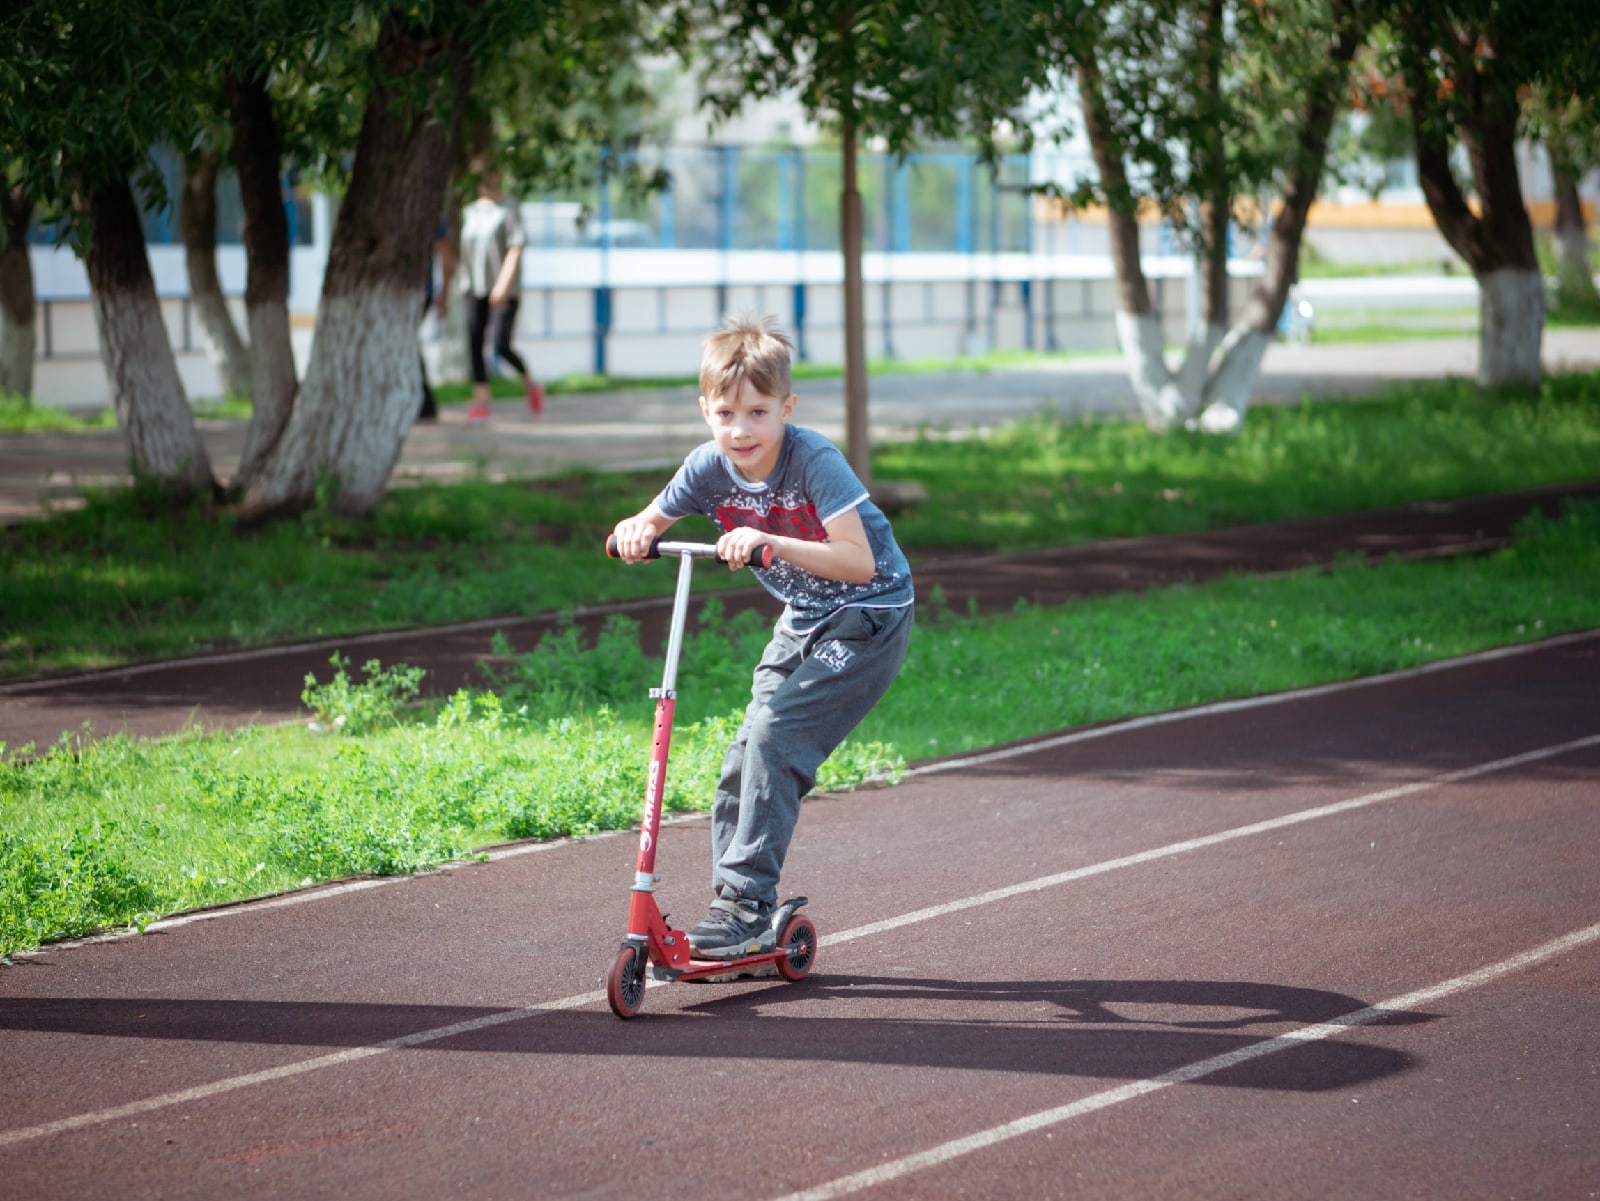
point(811, 703)
point(778, 662)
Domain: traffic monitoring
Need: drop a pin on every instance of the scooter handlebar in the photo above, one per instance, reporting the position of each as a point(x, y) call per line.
point(763, 556)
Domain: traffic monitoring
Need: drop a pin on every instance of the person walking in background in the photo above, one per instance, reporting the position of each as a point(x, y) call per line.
point(491, 286)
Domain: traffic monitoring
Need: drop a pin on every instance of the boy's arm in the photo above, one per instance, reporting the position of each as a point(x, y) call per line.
point(846, 555)
point(635, 534)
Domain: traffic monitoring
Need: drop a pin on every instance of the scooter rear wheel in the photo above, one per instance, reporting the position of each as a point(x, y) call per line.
point(799, 939)
point(625, 982)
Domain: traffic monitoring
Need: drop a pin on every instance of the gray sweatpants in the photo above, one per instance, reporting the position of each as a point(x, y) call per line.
point(807, 694)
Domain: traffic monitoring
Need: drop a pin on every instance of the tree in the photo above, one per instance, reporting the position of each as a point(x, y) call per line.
point(1189, 105)
point(868, 68)
point(1567, 127)
point(359, 396)
point(87, 89)
point(197, 224)
point(1467, 64)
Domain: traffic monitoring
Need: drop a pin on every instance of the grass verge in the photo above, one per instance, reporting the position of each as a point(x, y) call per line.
point(122, 831)
point(122, 580)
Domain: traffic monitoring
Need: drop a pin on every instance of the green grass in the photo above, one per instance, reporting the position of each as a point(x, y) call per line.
point(122, 831)
point(1043, 482)
point(121, 580)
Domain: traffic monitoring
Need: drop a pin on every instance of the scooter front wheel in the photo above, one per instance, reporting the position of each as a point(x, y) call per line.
point(625, 982)
point(799, 939)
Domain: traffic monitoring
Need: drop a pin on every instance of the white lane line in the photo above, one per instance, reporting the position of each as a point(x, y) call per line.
point(1208, 840)
point(984, 1139)
point(1021, 749)
point(423, 1037)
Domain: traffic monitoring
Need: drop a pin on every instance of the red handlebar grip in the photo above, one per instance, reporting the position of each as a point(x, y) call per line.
point(763, 556)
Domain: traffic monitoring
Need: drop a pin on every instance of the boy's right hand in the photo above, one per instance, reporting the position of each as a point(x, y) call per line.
point(634, 537)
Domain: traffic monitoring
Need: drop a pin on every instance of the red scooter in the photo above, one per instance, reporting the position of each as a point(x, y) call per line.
point(651, 943)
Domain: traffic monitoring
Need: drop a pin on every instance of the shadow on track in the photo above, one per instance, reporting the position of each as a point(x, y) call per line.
point(1118, 1029)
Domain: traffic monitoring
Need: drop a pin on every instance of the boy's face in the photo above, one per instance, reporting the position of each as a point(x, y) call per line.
point(748, 428)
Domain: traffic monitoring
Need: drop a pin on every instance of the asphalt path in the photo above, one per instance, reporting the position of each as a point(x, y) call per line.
point(1343, 943)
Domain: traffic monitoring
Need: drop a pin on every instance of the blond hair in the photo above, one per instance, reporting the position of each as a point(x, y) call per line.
point(746, 348)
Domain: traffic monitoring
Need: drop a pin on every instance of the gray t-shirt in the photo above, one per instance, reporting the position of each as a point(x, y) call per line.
point(811, 485)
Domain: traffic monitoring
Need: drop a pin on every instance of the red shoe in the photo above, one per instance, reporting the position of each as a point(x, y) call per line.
point(535, 397)
point(480, 411)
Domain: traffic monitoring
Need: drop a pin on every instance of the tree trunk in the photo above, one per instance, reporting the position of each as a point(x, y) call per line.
point(1139, 328)
point(359, 398)
point(258, 158)
point(858, 446)
point(146, 392)
point(1211, 389)
point(1497, 242)
point(197, 222)
point(18, 308)
point(1574, 274)
point(1511, 327)
point(1228, 391)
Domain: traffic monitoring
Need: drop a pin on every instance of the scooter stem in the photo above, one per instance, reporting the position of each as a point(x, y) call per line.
point(666, 701)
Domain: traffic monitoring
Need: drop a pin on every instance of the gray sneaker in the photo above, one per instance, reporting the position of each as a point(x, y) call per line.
point(735, 927)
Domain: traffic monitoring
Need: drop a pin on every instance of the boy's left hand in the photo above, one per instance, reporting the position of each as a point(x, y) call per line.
point(737, 547)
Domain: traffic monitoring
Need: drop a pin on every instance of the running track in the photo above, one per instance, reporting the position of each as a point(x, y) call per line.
point(1342, 944)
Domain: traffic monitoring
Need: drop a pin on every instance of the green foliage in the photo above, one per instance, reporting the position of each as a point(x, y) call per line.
point(361, 708)
point(118, 580)
point(60, 889)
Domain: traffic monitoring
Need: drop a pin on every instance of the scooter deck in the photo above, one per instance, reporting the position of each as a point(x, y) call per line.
point(717, 971)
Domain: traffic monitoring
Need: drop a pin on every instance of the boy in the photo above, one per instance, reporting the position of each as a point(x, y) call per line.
point(847, 615)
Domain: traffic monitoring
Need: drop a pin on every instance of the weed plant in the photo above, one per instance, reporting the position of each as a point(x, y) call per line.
point(121, 831)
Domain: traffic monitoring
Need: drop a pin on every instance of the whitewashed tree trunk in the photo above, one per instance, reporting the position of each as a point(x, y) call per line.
point(357, 403)
point(258, 159)
point(359, 397)
point(224, 348)
point(1160, 398)
point(148, 396)
point(1227, 394)
point(146, 391)
point(1574, 273)
point(273, 381)
point(1512, 308)
point(197, 221)
point(1211, 389)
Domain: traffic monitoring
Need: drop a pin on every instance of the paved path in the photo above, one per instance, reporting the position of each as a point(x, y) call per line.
point(639, 429)
point(1344, 944)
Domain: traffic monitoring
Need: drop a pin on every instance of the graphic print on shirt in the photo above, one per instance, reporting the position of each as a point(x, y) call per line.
point(800, 522)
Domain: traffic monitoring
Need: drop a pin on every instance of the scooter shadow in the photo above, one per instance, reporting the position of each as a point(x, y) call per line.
point(1120, 1029)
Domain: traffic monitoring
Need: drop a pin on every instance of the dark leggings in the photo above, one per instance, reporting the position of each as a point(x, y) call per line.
point(478, 325)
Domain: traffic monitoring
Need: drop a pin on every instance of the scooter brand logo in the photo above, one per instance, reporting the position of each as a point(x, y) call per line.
point(652, 805)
